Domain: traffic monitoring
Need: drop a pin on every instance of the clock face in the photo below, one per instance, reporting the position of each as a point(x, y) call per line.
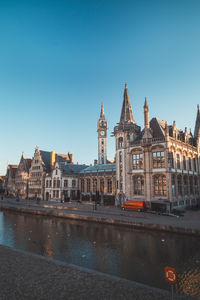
point(102, 133)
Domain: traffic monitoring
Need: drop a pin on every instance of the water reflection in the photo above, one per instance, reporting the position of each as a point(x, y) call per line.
point(136, 255)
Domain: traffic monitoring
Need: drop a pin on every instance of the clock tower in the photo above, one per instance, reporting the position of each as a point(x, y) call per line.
point(102, 138)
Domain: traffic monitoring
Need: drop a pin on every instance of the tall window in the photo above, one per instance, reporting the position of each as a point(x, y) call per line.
point(58, 183)
point(160, 185)
point(194, 164)
point(185, 185)
point(178, 163)
point(120, 157)
point(171, 159)
point(120, 171)
point(73, 183)
point(184, 163)
point(138, 185)
point(109, 185)
point(190, 164)
point(102, 185)
point(191, 185)
point(88, 185)
point(65, 183)
point(138, 161)
point(94, 185)
point(179, 182)
point(173, 186)
point(54, 183)
point(120, 142)
point(47, 183)
point(195, 185)
point(82, 185)
point(158, 159)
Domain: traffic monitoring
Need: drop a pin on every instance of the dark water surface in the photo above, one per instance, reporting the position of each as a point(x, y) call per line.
point(133, 254)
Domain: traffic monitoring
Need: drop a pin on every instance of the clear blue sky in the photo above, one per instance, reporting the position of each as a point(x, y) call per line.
point(60, 59)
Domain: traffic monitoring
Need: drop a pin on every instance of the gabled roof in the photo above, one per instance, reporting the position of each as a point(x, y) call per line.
point(126, 113)
point(27, 162)
point(46, 157)
point(100, 168)
point(158, 128)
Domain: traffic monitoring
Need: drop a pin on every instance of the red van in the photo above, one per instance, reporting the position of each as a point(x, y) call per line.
point(134, 205)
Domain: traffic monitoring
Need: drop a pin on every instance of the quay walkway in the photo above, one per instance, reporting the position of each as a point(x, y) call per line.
point(26, 276)
point(187, 224)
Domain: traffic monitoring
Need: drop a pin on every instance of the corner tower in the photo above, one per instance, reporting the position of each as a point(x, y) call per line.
point(102, 138)
point(126, 132)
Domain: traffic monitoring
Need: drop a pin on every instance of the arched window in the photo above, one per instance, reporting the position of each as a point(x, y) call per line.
point(120, 142)
point(178, 163)
point(160, 185)
point(138, 185)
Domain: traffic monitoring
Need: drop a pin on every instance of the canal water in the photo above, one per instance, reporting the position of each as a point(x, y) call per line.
point(136, 255)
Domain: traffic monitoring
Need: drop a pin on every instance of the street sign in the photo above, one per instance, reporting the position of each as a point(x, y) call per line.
point(170, 275)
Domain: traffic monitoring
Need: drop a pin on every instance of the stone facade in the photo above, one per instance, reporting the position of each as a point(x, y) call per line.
point(9, 183)
point(63, 182)
point(42, 164)
point(159, 164)
point(22, 177)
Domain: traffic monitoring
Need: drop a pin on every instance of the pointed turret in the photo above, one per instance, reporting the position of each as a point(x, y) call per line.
point(126, 114)
point(102, 112)
point(146, 114)
point(197, 124)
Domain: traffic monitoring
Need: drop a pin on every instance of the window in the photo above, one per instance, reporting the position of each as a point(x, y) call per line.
point(57, 194)
point(179, 182)
point(47, 183)
point(185, 185)
point(120, 157)
point(58, 183)
point(194, 164)
point(50, 184)
point(191, 185)
point(94, 185)
point(65, 183)
point(102, 185)
point(54, 183)
point(120, 142)
point(73, 183)
point(109, 185)
point(160, 185)
point(178, 163)
point(190, 164)
point(184, 163)
point(173, 186)
point(120, 171)
point(56, 172)
point(138, 185)
point(54, 193)
point(138, 161)
point(82, 186)
point(158, 159)
point(171, 159)
point(88, 185)
point(195, 185)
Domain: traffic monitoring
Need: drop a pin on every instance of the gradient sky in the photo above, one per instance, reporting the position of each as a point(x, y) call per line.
point(60, 59)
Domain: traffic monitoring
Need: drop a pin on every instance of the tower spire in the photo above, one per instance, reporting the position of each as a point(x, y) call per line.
point(146, 114)
point(102, 111)
point(126, 113)
point(197, 124)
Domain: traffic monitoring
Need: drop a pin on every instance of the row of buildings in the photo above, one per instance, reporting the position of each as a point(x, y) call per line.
point(158, 164)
